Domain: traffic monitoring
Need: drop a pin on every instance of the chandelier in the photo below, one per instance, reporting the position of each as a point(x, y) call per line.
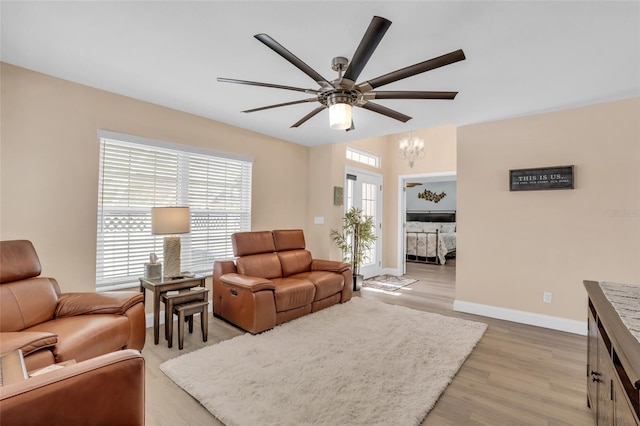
point(412, 148)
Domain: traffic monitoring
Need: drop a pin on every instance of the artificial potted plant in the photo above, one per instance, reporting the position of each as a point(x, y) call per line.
point(355, 238)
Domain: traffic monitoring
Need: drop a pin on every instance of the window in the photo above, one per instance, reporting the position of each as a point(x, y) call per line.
point(137, 174)
point(360, 156)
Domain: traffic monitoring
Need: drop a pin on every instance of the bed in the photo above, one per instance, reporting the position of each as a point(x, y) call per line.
point(431, 236)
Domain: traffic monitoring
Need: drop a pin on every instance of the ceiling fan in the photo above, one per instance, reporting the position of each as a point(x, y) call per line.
point(341, 94)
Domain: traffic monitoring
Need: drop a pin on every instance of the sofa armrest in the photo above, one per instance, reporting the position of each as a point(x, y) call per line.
point(109, 388)
point(329, 265)
point(70, 304)
point(27, 341)
point(245, 282)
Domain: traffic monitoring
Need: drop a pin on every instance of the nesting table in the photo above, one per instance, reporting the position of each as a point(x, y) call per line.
point(161, 286)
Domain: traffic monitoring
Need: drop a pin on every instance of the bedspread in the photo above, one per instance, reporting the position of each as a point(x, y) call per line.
point(422, 237)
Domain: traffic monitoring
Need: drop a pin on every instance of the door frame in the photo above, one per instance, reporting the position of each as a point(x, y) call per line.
point(402, 209)
point(379, 209)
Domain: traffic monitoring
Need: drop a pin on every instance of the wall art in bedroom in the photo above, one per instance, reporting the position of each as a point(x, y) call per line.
point(431, 196)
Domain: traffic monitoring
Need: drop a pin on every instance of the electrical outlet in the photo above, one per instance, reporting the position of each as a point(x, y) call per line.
point(546, 297)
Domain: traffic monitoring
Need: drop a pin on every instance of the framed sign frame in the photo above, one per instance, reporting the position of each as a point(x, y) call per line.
point(542, 178)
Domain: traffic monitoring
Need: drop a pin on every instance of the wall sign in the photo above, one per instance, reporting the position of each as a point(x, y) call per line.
point(560, 177)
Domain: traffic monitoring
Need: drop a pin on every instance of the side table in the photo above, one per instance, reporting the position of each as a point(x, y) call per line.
point(160, 287)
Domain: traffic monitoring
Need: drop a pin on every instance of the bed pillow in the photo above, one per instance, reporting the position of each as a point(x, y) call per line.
point(430, 227)
point(448, 227)
point(414, 226)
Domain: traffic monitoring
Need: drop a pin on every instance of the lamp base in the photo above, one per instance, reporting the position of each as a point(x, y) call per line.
point(171, 254)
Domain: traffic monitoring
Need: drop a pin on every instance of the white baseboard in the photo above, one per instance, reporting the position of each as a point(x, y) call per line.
point(149, 317)
point(522, 317)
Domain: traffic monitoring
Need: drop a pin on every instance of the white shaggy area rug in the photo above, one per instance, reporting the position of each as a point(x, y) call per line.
point(359, 363)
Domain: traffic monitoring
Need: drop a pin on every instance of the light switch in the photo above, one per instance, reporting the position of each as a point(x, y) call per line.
point(318, 220)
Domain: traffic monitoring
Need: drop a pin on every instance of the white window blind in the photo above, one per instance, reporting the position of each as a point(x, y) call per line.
point(137, 174)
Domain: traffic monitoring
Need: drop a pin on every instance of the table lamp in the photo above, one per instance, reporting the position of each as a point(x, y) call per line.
point(170, 221)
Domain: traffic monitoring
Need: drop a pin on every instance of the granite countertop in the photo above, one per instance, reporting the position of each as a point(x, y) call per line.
point(625, 299)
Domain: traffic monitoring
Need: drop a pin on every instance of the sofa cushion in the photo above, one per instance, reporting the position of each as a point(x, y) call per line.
point(87, 336)
point(327, 283)
point(266, 265)
point(27, 341)
point(248, 243)
point(291, 293)
point(27, 303)
point(294, 261)
point(288, 239)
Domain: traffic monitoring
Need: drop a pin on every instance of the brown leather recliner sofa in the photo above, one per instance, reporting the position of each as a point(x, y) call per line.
point(105, 390)
point(50, 326)
point(274, 279)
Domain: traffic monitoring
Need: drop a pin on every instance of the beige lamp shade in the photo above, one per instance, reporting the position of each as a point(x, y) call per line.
point(170, 220)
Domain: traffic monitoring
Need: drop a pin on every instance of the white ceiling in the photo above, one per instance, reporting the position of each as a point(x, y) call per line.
point(522, 57)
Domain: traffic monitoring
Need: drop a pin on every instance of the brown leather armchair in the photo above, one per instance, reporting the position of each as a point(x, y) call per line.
point(274, 280)
point(50, 326)
point(106, 390)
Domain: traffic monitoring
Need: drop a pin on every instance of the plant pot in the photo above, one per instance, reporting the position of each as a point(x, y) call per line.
point(357, 282)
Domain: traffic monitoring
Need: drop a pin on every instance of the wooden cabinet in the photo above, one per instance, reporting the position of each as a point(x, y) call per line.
point(623, 411)
point(613, 362)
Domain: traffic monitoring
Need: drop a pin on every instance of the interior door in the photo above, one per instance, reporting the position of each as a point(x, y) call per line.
point(364, 190)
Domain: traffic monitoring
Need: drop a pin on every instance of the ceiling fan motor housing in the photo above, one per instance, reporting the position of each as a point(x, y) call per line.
point(338, 96)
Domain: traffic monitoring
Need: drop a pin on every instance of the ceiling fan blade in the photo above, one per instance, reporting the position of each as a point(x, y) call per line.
point(308, 116)
point(385, 111)
point(353, 126)
point(257, 83)
point(412, 70)
point(377, 28)
point(282, 51)
point(410, 95)
point(281, 105)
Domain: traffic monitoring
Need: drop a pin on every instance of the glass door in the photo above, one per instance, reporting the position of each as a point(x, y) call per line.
point(364, 190)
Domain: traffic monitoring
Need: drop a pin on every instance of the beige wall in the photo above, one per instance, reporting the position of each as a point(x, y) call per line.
point(49, 166)
point(323, 171)
point(513, 246)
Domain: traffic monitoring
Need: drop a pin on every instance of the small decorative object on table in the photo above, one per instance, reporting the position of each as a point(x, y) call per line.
point(153, 269)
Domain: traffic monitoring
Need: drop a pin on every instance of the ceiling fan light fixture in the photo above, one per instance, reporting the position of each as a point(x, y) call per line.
point(340, 116)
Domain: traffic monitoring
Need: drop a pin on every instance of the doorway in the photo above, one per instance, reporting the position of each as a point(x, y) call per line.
point(420, 179)
point(363, 189)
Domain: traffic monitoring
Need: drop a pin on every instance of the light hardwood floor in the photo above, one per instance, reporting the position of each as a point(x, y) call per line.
point(516, 375)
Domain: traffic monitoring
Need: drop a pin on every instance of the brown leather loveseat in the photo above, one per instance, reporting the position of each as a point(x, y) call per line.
point(50, 326)
point(274, 280)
